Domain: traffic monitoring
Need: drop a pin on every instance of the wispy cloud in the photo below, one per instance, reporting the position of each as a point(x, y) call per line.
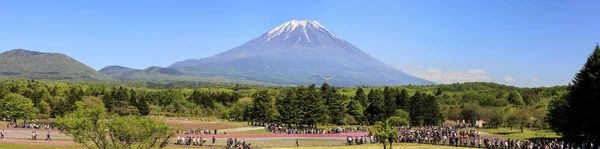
point(509, 79)
point(444, 76)
point(535, 79)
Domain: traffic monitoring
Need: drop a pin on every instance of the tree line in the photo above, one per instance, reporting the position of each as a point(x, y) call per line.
point(303, 106)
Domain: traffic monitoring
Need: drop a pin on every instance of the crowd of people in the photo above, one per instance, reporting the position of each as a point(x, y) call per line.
point(30, 126)
point(235, 144)
point(200, 141)
point(192, 141)
point(280, 129)
point(200, 131)
point(452, 136)
point(359, 140)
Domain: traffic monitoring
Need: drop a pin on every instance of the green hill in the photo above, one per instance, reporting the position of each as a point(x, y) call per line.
point(25, 64)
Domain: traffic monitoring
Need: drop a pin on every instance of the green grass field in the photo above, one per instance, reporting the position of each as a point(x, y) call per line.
point(515, 133)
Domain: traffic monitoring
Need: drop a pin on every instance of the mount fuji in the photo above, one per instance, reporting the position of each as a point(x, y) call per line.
point(299, 52)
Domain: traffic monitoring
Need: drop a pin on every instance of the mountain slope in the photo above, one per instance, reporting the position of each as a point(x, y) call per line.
point(24, 64)
point(299, 52)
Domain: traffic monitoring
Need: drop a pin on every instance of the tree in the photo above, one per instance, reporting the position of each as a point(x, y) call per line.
point(438, 91)
point(15, 106)
point(138, 131)
point(402, 100)
point(431, 110)
point(470, 112)
point(361, 97)
point(416, 109)
point(375, 110)
point(88, 125)
point(400, 118)
point(518, 118)
point(336, 110)
point(288, 107)
point(262, 107)
point(582, 103)
point(314, 107)
point(355, 110)
point(383, 133)
point(390, 101)
point(515, 98)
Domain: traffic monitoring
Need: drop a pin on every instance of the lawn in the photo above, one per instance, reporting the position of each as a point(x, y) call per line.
point(515, 133)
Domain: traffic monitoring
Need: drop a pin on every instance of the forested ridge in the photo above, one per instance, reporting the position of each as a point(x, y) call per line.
point(304, 106)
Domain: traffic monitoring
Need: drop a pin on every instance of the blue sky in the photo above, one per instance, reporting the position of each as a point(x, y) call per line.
point(515, 42)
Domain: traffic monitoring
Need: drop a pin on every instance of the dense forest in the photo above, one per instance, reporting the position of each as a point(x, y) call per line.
point(302, 106)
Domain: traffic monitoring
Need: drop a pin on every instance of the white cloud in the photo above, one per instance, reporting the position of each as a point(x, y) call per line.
point(433, 70)
point(440, 75)
point(509, 79)
point(535, 79)
point(477, 71)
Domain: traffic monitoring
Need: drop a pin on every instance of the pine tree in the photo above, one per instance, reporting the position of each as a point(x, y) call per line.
point(133, 99)
point(355, 110)
point(315, 110)
point(288, 107)
point(402, 100)
point(576, 117)
point(361, 97)
point(416, 109)
point(376, 110)
point(390, 95)
point(430, 110)
point(336, 109)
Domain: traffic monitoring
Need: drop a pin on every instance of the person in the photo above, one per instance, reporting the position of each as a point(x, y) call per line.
point(2, 134)
point(213, 140)
point(249, 146)
point(224, 132)
point(33, 135)
point(297, 143)
point(215, 131)
point(48, 136)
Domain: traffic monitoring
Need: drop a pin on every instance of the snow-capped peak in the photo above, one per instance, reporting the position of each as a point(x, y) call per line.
point(290, 26)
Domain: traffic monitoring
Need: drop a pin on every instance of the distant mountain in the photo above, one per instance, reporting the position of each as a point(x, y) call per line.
point(155, 73)
point(299, 52)
point(114, 70)
point(25, 64)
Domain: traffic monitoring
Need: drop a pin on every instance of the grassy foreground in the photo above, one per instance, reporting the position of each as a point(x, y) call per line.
point(515, 133)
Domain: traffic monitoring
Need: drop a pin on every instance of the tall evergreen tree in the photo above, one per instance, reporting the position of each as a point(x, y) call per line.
point(580, 109)
point(390, 95)
point(402, 100)
point(361, 97)
point(288, 107)
point(262, 107)
point(416, 109)
point(430, 110)
point(355, 110)
point(315, 109)
point(376, 110)
point(336, 109)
